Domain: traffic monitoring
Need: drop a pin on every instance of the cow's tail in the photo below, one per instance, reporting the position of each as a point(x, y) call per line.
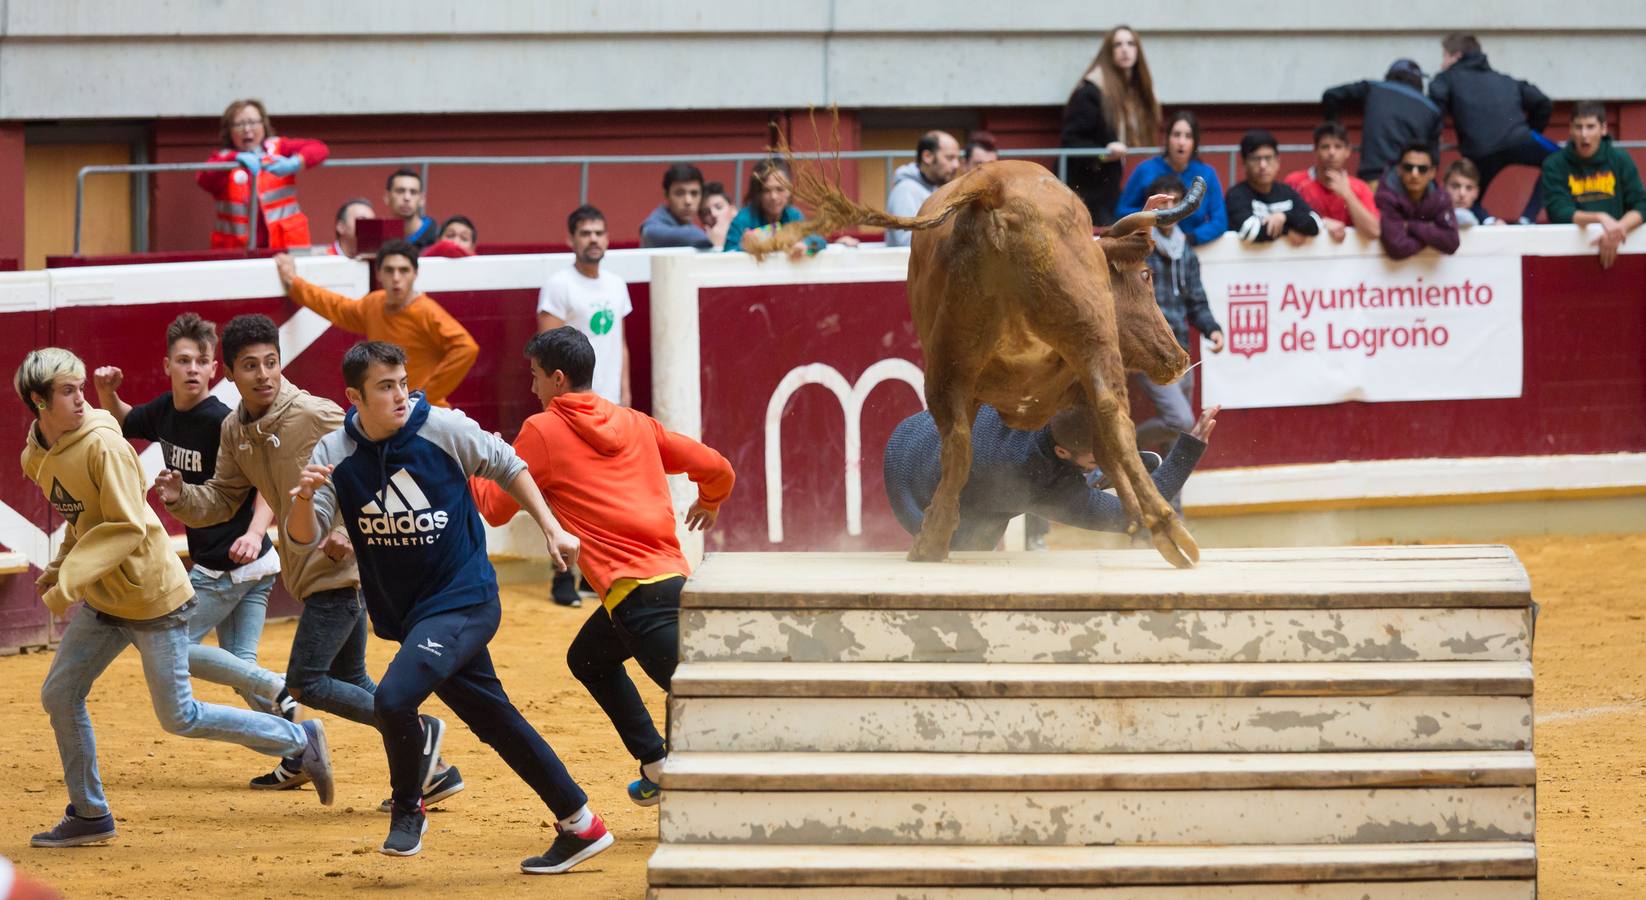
point(833, 211)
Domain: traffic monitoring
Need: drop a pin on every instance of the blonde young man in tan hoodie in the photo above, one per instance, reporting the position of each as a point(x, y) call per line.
point(266, 442)
point(117, 557)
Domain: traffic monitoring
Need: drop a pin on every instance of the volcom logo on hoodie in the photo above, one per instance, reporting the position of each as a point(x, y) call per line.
point(401, 516)
point(65, 504)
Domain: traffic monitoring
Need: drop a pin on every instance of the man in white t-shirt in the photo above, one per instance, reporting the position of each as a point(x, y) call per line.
point(593, 302)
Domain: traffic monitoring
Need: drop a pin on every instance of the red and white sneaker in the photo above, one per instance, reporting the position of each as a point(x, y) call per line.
point(569, 849)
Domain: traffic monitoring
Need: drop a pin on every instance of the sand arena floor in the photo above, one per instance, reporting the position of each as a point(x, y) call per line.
point(189, 828)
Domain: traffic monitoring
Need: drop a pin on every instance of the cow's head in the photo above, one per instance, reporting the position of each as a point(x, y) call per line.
point(1147, 344)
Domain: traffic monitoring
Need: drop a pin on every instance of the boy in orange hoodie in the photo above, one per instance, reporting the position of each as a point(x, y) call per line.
point(603, 469)
point(439, 350)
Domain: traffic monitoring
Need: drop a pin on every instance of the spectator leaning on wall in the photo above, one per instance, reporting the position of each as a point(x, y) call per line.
point(670, 224)
point(716, 211)
point(1262, 209)
point(458, 238)
point(1340, 199)
point(1499, 119)
point(1463, 184)
point(1417, 213)
point(1591, 182)
point(1182, 162)
point(1395, 113)
point(937, 159)
point(272, 162)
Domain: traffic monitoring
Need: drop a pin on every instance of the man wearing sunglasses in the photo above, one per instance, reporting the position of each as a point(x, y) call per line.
point(1416, 212)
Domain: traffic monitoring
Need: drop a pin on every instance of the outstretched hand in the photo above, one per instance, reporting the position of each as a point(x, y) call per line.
point(168, 485)
point(700, 517)
point(1158, 201)
point(1208, 420)
point(313, 477)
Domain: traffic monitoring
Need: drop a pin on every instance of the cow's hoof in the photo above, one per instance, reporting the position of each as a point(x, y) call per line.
point(1175, 544)
point(921, 554)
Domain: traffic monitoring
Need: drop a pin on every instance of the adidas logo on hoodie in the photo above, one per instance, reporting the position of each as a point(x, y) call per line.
point(401, 516)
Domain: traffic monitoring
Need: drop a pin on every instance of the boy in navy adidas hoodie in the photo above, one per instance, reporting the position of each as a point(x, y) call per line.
point(397, 475)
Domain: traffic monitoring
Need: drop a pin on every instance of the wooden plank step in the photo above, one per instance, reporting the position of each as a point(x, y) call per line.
point(1342, 890)
point(1342, 577)
point(1109, 636)
point(1099, 725)
point(1092, 772)
point(1094, 680)
point(757, 865)
point(1119, 817)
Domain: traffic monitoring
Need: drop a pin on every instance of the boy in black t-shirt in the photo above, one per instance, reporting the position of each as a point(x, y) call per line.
point(234, 563)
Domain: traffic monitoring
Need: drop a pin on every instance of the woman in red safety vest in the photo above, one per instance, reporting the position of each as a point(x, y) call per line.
point(249, 139)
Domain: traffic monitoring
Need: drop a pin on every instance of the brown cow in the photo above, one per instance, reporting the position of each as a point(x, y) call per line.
point(1016, 307)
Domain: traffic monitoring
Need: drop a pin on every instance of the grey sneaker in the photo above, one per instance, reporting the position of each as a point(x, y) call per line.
point(317, 761)
point(405, 833)
point(74, 831)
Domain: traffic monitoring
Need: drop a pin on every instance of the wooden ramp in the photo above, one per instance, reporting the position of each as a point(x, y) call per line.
point(1337, 722)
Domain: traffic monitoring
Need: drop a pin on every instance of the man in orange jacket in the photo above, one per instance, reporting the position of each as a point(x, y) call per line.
point(603, 469)
point(439, 351)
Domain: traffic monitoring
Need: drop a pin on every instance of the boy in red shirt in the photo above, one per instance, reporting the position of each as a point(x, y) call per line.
point(603, 469)
point(1337, 197)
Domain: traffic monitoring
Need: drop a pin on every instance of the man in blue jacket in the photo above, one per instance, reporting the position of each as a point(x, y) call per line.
point(1015, 472)
point(1499, 120)
point(397, 474)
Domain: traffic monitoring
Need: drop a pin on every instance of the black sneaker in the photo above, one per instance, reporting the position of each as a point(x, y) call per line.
point(405, 833)
point(286, 776)
point(564, 590)
point(317, 761)
point(73, 831)
point(434, 731)
point(285, 706)
point(445, 785)
point(569, 849)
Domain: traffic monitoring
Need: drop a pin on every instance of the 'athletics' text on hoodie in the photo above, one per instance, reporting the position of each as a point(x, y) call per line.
point(115, 554)
point(405, 500)
point(602, 468)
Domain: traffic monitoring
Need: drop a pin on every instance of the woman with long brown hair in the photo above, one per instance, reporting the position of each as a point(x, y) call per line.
point(1113, 107)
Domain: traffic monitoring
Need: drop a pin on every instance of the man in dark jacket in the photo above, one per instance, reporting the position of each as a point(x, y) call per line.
point(1395, 114)
point(1175, 272)
point(1591, 182)
point(1499, 119)
point(1014, 472)
point(1417, 213)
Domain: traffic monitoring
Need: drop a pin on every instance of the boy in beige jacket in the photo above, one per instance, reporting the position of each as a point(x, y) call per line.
point(117, 558)
point(265, 444)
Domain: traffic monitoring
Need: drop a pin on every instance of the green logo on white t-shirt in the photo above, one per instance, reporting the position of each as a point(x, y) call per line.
point(602, 321)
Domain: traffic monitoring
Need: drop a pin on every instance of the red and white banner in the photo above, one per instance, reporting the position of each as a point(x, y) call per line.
point(1318, 331)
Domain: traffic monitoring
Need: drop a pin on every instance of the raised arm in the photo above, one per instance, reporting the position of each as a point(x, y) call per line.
point(461, 352)
point(199, 505)
point(344, 312)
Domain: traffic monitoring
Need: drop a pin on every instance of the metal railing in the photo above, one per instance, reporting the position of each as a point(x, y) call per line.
point(584, 163)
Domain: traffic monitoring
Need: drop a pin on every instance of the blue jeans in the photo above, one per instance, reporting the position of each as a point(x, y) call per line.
point(236, 611)
point(88, 646)
point(328, 656)
point(1173, 412)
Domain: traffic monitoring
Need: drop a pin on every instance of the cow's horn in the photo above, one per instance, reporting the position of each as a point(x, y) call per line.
point(1169, 216)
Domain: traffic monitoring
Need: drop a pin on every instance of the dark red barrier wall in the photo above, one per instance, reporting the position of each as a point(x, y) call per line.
point(752, 337)
point(1585, 392)
point(24, 621)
